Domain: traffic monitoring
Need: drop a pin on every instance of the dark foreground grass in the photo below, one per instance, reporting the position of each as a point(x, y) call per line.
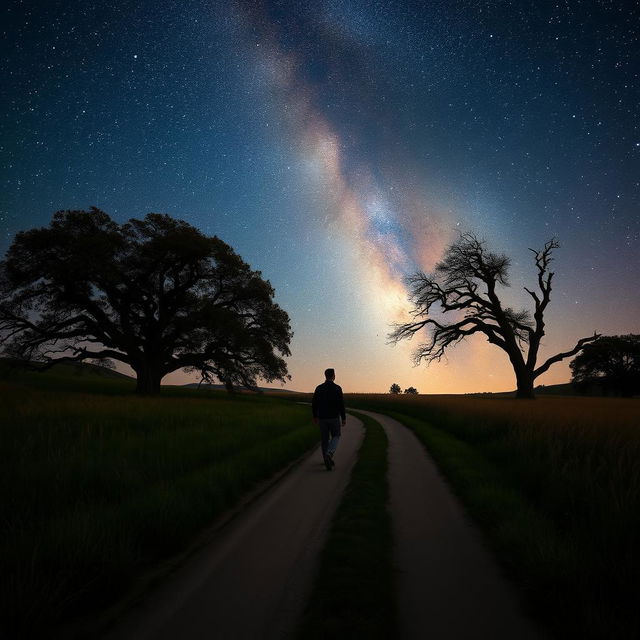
point(96, 488)
point(555, 487)
point(353, 596)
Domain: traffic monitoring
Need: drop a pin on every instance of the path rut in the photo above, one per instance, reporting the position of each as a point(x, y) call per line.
point(448, 585)
point(253, 580)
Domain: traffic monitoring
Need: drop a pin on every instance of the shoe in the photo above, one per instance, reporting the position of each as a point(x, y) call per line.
point(327, 462)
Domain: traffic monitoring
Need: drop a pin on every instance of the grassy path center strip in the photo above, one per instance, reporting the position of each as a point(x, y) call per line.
point(353, 595)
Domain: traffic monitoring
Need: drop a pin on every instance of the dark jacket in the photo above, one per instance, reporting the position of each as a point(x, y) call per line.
point(328, 401)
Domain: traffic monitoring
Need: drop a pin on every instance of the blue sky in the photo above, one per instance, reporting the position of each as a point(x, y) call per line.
point(339, 146)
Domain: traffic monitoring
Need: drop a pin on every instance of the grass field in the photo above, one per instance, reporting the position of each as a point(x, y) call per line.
point(97, 484)
point(555, 486)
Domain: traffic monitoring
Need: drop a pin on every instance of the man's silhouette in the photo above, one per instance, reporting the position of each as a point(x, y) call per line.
point(328, 412)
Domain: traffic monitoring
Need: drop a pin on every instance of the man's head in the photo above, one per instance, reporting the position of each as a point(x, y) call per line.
point(330, 374)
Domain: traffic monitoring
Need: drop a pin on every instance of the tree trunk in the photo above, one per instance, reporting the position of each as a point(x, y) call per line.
point(524, 385)
point(148, 381)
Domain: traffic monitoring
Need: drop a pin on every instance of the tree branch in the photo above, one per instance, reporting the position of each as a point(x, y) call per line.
point(566, 354)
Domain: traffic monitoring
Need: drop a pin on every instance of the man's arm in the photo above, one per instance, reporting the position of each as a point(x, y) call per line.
point(343, 413)
point(314, 406)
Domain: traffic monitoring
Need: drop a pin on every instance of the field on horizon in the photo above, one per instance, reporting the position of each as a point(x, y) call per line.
point(98, 485)
point(558, 409)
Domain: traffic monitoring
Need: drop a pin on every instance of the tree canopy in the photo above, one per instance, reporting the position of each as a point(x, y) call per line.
point(611, 363)
point(395, 388)
point(156, 294)
point(465, 286)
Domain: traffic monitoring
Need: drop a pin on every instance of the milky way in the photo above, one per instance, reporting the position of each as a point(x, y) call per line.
point(340, 146)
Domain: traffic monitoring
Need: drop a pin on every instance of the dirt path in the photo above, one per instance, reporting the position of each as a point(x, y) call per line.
point(449, 586)
point(252, 581)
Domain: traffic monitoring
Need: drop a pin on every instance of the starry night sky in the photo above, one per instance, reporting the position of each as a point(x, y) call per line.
point(339, 146)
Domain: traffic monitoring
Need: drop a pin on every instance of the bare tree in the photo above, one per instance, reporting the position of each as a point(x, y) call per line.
point(464, 285)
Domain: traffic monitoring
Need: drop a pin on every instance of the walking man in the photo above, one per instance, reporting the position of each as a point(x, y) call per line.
point(328, 412)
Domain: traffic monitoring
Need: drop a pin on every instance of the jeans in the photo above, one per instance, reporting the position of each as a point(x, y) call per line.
point(329, 435)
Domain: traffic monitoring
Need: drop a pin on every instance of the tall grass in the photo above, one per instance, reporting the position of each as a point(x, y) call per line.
point(555, 485)
point(94, 488)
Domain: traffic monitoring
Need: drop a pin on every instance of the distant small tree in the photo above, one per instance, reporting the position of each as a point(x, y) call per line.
point(465, 286)
point(395, 388)
point(611, 363)
point(411, 390)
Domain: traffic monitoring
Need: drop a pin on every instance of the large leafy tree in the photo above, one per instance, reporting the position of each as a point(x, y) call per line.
point(611, 363)
point(156, 294)
point(465, 288)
